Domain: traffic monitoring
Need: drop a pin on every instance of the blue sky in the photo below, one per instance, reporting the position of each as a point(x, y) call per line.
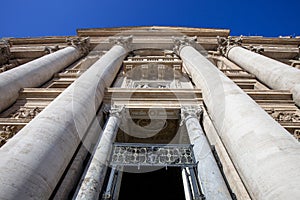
point(31, 18)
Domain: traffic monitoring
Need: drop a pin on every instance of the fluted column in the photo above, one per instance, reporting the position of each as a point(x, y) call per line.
point(92, 182)
point(273, 73)
point(37, 72)
point(33, 161)
point(209, 174)
point(264, 153)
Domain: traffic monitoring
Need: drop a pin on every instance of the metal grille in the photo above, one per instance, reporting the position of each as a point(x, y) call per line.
point(128, 154)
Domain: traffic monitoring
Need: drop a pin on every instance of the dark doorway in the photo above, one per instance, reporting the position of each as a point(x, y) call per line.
point(160, 184)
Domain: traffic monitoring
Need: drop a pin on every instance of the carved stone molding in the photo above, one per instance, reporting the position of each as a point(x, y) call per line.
point(5, 67)
point(123, 41)
point(7, 132)
point(190, 112)
point(26, 113)
point(4, 52)
point(225, 44)
point(282, 116)
point(152, 155)
point(83, 44)
point(297, 134)
point(180, 42)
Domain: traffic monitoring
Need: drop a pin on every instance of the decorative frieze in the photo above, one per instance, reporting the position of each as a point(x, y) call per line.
point(284, 116)
point(26, 113)
point(7, 132)
point(152, 155)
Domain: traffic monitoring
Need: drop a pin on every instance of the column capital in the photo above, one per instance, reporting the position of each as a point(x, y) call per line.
point(190, 112)
point(124, 41)
point(180, 42)
point(4, 51)
point(225, 44)
point(51, 49)
point(116, 111)
point(82, 44)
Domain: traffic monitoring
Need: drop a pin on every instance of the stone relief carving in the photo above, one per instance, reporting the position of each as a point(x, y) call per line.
point(6, 133)
point(11, 64)
point(5, 68)
point(124, 41)
point(297, 134)
point(256, 49)
point(26, 113)
point(282, 116)
point(83, 44)
point(226, 43)
point(180, 42)
point(49, 50)
point(151, 85)
point(4, 52)
point(117, 111)
point(152, 155)
point(190, 111)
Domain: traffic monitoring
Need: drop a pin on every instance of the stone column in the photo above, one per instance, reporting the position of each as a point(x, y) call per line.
point(273, 73)
point(33, 161)
point(213, 184)
point(93, 178)
point(264, 153)
point(37, 72)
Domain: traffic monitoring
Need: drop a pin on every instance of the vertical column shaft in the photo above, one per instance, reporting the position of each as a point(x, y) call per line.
point(93, 178)
point(265, 154)
point(209, 173)
point(273, 73)
point(73, 175)
point(33, 161)
point(34, 73)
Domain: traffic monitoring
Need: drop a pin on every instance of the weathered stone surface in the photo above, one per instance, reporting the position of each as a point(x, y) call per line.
point(93, 179)
point(275, 74)
point(33, 74)
point(211, 179)
point(245, 131)
point(30, 165)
